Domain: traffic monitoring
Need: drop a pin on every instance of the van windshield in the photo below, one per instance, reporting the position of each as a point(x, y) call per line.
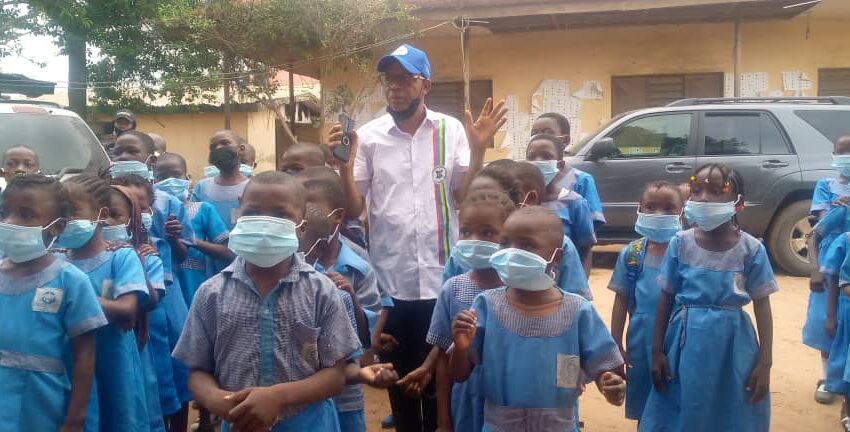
point(60, 141)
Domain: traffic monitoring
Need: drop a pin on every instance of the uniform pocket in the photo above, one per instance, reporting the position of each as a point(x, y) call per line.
point(306, 354)
point(568, 371)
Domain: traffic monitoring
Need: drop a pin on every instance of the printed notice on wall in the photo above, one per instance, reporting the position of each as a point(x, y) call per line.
point(796, 82)
point(589, 90)
point(728, 85)
point(516, 129)
point(753, 84)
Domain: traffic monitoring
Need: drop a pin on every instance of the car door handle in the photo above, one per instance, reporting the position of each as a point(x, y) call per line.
point(677, 167)
point(773, 164)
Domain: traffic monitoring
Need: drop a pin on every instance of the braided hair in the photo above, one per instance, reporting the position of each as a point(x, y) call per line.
point(61, 201)
point(96, 186)
point(509, 183)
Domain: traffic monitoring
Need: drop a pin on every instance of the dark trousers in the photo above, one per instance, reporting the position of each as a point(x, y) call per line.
point(408, 322)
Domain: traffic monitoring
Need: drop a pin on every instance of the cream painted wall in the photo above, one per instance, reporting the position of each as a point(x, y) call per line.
point(516, 63)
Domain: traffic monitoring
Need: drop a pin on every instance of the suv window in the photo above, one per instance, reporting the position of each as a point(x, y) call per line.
point(60, 141)
point(831, 124)
point(659, 135)
point(742, 134)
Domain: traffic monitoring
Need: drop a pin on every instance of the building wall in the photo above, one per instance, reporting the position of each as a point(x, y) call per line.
point(517, 63)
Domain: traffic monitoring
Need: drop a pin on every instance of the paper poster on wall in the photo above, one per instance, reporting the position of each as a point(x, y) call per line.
point(551, 96)
point(796, 82)
point(728, 85)
point(589, 90)
point(753, 84)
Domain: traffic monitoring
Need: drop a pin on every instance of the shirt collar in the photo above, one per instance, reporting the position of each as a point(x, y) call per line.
point(236, 270)
point(347, 258)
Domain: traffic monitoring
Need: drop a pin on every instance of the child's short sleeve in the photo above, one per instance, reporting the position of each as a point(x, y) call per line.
point(129, 275)
point(586, 186)
point(155, 272)
point(571, 276)
point(215, 231)
point(476, 348)
point(337, 338)
point(669, 278)
point(760, 279)
point(822, 197)
point(597, 350)
point(620, 283)
point(82, 311)
point(582, 231)
point(440, 331)
point(197, 194)
point(833, 221)
point(844, 271)
point(834, 256)
point(195, 348)
point(349, 310)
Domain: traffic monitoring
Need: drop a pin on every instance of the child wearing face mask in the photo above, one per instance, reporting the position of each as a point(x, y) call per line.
point(460, 406)
point(568, 177)
point(51, 313)
point(635, 283)
point(350, 273)
point(246, 152)
point(223, 189)
point(835, 266)
point(533, 343)
point(830, 212)
point(546, 152)
point(210, 231)
point(709, 370)
point(268, 339)
point(118, 279)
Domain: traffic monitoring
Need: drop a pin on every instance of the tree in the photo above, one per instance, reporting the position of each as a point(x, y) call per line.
point(16, 21)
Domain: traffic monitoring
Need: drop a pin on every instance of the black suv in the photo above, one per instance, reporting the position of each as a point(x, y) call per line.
point(781, 146)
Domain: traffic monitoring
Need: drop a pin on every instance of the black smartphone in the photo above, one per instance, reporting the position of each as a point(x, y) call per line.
point(343, 151)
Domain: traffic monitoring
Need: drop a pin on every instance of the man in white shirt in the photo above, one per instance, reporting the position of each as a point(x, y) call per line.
point(413, 167)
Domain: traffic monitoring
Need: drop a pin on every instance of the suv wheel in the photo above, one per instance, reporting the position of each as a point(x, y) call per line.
point(786, 240)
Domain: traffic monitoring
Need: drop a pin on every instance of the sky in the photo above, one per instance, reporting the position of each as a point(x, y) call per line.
point(40, 49)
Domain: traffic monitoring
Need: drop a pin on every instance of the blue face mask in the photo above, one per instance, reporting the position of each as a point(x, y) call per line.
point(176, 187)
point(842, 164)
point(246, 170)
point(549, 169)
point(211, 171)
point(710, 215)
point(658, 228)
point(23, 243)
point(147, 221)
point(116, 233)
point(523, 270)
point(124, 168)
point(263, 240)
point(474, 254)
point(76, 234)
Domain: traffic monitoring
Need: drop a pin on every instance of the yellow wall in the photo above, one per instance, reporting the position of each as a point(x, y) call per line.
point(516, 63)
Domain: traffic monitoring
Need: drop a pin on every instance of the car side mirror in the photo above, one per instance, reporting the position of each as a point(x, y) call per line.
point(602, 149)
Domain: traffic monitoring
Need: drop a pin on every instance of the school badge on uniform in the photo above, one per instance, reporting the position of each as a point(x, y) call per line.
point(106, 289)
point(568, 368)
point(439, 174)
point(310, 354)
point(47, 300)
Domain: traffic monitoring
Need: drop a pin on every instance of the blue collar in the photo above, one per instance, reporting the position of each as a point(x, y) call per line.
point(348, 259)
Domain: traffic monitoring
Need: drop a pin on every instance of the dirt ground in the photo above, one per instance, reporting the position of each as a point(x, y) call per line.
point(796, 367)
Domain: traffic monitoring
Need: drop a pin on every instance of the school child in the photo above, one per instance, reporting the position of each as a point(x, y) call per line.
point(19, 160)
point(50, 312)
point(570, 178)
point(546, 153)
point(533, 343)
point(460, 406)
point(237, 373)
point(344, 268)
point(223, 190)
point(248, 160)
point(303, 155)
point(837, 321)
point(709, 371)
point(175, 390)
point(635, 283)
point(210, 231)
point(118, 278)
point(830, 223)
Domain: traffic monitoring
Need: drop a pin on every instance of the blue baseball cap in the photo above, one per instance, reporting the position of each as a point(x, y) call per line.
point(411, 59)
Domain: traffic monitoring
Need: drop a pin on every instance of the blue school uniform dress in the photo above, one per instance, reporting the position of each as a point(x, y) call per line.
point(198, 267)
point(635, 277)
point(160, 349)
point(153, 271)
point(118, 368)
point(350, 403)
point(710, 344)
point(585, 185)
point(575, 215)
point(531, 368)
point(837, 265)
point(42, 312)
point(225, 199)
point(457, 295)
point(570, 272)
point(834, 222)
point(243, 340)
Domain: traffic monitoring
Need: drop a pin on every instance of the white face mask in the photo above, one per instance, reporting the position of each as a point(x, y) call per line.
point(710, 215)
point(523, 270)
point(264, 241)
